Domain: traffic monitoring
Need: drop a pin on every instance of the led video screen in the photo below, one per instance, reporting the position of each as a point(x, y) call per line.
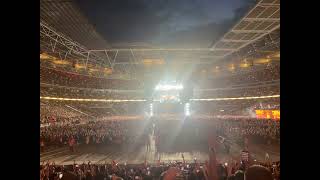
point(268, 114)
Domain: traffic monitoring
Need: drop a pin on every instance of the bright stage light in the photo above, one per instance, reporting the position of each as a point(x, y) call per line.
point(151, 110)
point(167, 87)
point(187, 109)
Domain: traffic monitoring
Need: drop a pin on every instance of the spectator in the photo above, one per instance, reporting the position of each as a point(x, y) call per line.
point(258, 172)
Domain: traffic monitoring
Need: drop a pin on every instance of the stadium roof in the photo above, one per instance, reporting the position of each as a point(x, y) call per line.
point(261, 20)
point(259, 24)
point(66, 33)
point(65, 17)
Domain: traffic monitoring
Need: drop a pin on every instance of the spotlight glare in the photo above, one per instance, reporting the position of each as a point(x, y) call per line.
point(167, 87)
point(187, 109)
point(151, 110)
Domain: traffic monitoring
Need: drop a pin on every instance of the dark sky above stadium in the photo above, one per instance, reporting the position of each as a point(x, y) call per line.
point(165, 23)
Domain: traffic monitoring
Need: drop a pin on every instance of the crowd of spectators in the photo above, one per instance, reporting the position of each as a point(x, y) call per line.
point(124, 133)
point(253, 74)
point(268, 73)
point(260, 131)
point(239, 92)
point(81, 110)
point(51, 109)
point(195, 131)
point(62, 78)
point(167, 171)
point(88, 93)
point(50, 120)
point(94, 94)
point(109, 132)
point(167, 132)
point(95, 72)
point(265, 73)
point(65, 127)
point(58, 113)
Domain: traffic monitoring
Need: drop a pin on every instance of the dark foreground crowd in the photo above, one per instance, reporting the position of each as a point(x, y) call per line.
point(123, 133)
point(166, 171)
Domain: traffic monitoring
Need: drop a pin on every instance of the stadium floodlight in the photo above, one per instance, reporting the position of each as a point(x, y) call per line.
point(187, 109)
point(167, 87)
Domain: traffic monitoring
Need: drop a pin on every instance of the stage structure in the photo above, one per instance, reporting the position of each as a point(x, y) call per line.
point(169, 97)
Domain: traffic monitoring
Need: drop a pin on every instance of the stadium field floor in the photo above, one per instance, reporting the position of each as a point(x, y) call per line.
point(137, 155)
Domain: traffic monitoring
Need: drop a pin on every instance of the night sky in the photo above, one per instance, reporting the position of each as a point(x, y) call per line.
point(164, 23)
